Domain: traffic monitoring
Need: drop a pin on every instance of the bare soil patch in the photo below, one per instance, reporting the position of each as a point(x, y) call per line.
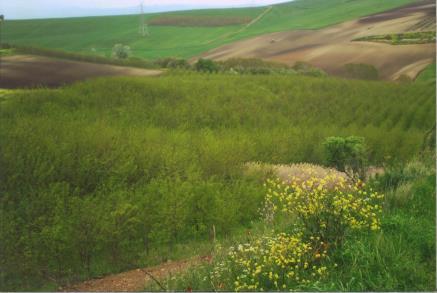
point(293, 172)
point(135, 280)
point(25, 71)
point(331, 48)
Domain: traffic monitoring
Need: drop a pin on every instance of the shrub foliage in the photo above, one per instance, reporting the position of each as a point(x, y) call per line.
point(347, 154)
point(99, 176)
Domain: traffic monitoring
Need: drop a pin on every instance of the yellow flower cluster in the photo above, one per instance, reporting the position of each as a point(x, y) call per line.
point(329, 205)
point(280, 262)
point(321, 210)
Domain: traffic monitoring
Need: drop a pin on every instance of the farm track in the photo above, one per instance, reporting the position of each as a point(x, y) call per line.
point(255, 20)
point(258, 18)
point(136, 280)
point(32, 71)
point(332, 47)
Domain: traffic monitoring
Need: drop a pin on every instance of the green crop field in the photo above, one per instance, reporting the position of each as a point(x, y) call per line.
point(428, 74)
point(202, 21)
point(97, 35)
point(112, 174)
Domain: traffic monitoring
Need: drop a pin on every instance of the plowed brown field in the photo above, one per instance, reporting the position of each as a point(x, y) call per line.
point(29, 71)
point(333, 47)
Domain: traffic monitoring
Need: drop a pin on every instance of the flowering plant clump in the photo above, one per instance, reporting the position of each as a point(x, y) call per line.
point(325, 207)
point(273, 263)
point(319, 211)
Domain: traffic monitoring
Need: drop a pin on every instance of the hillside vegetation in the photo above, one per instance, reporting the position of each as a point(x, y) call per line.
point(113, 174)
point(98, 35)
point(402, 39)
point(428, 74)
point(396, 253)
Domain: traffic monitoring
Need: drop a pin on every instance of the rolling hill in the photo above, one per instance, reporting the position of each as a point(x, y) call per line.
point(97, 35)
point(333, 47)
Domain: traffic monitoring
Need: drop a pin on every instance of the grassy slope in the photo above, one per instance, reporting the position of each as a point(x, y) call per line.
point(101, 33)
point(428, 74)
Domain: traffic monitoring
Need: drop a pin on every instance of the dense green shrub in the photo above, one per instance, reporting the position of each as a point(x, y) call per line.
point(251, 63)
point(403, 78)
point(397, 173)
point(174, 63)
point(262, 67)
point(361, 71)
point(121, 51)
point(347, 154)
point(254, 66)
point(402, 38)
point(308, 69)
point(206, 65)
point(5, 46)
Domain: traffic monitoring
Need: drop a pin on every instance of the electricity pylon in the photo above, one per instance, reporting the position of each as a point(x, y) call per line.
point(143, 30)
point(2, 19)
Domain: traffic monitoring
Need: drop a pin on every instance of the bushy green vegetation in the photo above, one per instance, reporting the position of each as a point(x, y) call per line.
point(257, 66)
point(398, 254)
point(361, 71)
point(402, 38)
point(105, 175)
point(246, 64)
point(6, 51)
point(97, 35)
point(121, 51)
point(120, 56)
point(308, 69)
point(206, 65)
point(347, 154)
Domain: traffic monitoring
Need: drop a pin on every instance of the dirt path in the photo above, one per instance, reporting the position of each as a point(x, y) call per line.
point(332, 47)
point(258, 18)
point(20, 71)
point(135, 280)
point(255, 20)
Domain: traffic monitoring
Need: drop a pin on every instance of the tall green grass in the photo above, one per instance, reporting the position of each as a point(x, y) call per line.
point(403, 256)
point(98, 175)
